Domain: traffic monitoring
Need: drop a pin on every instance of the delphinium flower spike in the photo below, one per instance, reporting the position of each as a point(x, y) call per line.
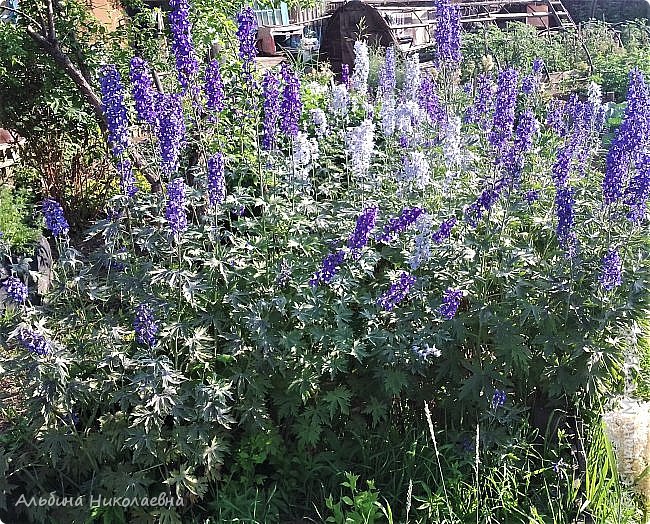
point(611, 275)
point(144, 94)
point(365, 224)
point(54, 219)
point(145, 325)
point(498, 399)
point(400, 223)
point(213, 87)
point(171, 131)
point(291, 104)
point(450, 303)
point(330, 267)
point(444, 231)
point(447, 34)
point(34, 342)
point(271, 94)
point(175, 210)
point(504, 112)
point(16, 290)
point(630, 139)
point(117, 122)
point(247, 35)
point(216, 179)
point(397, 292)
point(187, 64)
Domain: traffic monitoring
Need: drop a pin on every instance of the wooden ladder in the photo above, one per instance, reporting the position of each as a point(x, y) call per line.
point(563, 17)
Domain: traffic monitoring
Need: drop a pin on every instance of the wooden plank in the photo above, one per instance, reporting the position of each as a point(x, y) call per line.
point(506, 16)
point(412, 26)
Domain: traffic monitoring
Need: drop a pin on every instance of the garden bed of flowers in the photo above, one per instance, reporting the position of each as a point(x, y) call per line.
point(431, 284)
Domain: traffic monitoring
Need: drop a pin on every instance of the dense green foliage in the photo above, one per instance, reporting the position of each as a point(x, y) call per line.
point(15, 207)
point(261, 389)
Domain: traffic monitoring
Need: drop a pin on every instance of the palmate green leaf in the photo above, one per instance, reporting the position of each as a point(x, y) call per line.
point(182, 480)
point(308, 429)
point(394, 380)
point(377, 409)
point(338, 401)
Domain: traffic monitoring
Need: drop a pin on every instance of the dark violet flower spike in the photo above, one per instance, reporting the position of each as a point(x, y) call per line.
point(430, 101)
point(144, 94)
point(504, 112)
point(630, 140)
point(484, 202)
point(216, 179)
point(247, 35)
point(34, 342)
point(291, 105)
point(271, 95)
point(175, 210)
point(564, 207)
point(171, 130)
point(556, 116)
point(54, 219)
point(213, 87)
point(145, 325)
point(16, 290)
point(447, 33)
point(117, 120)
point(182, 45)
point(611, 275)
point(400, 223)
point(397, 292)
point(345, 76)
point(450, 302)
point(444, 231)
point(331, 266)
point(480, 112)
point(365, 224)
point(637, 193)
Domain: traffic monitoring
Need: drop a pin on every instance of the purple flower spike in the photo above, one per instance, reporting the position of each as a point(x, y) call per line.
point(365, 224)
point(444, 231)
point(447, 33)
point(182, 45)
point(331, 265)
point(144, 94)
point(291, 105)
point(171, 131)
point(504, 112)
point(213, 87)
point(175, 210)
point(397, 292)
point(145, 325)
point(611, 275)
point(450, 302)
point(216, 179)
point(400, 223)
point(247, 35)
point(271, 91)
point(16, 290)
point(34, 342)
point(54, 219)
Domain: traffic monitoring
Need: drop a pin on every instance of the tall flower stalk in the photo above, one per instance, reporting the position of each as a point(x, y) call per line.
point(117, 121)
point(187, 65)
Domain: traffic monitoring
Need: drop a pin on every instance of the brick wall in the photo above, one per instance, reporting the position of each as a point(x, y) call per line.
point(609, 10)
